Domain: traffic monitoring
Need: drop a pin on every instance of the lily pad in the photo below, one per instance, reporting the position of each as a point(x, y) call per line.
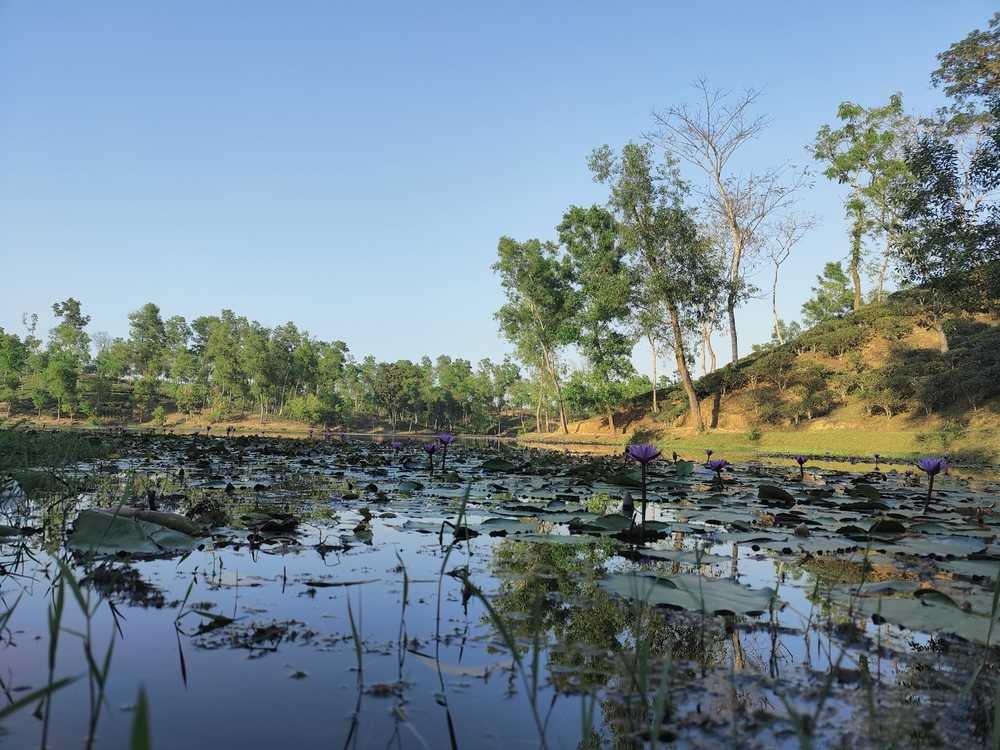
point(694, 593)
point(104, 532)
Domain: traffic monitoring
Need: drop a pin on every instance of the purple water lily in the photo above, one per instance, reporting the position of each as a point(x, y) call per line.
point(643, 453)
point(395, 445)
point(431, 449)
point(801, 461)
point(932, 467)
point(446, 439)
point(717, 465)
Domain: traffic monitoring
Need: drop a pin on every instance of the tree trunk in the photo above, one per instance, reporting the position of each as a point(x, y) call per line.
point(882, 272)
point(682, 368)
point(942, 335)
point(707, 335)
point(652, 347)
point(554, 376)
point(857, 231)
point(538, 412)
point(731, 312)
point(611, 421)
point(774, 307)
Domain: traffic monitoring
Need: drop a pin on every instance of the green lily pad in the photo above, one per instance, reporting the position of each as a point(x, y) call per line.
point(497, 464)
point(107, 533)
point(694, 593)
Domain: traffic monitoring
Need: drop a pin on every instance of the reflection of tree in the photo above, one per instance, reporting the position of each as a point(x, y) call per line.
point(598, 642)
point(955, 689)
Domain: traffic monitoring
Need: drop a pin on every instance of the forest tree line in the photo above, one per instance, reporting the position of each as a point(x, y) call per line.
point(226, 365)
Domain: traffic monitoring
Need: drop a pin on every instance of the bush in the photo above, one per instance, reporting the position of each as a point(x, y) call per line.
point(310, 408)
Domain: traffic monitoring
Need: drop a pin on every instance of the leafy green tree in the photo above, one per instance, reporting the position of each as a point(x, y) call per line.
point(866, 154)
point(147, 340)
point(969, 73)
point(390, 388)
point(499, 380)
point(647, 199)
point(13, 363)
point(782, 333)
point(832, 296)
point(70, 334)
point(540, 313)
point(604, 282)
point(145, 395)
point(951, 225)
point(62, 374)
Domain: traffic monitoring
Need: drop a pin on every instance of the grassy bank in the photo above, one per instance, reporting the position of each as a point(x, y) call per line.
point(975, 445)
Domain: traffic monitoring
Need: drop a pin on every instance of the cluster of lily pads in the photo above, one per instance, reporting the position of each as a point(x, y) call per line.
point(878, 550)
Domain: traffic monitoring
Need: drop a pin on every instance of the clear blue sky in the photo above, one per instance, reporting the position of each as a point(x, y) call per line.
point(350, 167)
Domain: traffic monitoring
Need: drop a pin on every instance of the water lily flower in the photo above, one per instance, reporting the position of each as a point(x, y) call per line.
point(431, 449)
point(717, 466)
point(643, 453)
point(446, 439)
point(932, 467)
point(801, 461)
point(395, 445)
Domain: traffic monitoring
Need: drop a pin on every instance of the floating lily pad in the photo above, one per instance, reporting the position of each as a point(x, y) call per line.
point(695, 593)
point(104, 532)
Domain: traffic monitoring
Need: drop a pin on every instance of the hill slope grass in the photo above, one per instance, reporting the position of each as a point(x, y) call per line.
point(875, 381)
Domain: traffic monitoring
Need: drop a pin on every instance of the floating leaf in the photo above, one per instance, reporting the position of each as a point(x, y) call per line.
point(695, 593)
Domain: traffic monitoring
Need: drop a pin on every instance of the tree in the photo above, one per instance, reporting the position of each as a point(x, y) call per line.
point(781, 334)
point(540, 313)
point(389, 388)
point(667, 249)
point(832, 296)
point(589, 390)
point(708, 136)
point(866, 154)
point(604, 285)
point(69, 335)
point(950, 227)
point(13, 362)
point(499, 380)
point(969, 73)
point(147, 339)
point(789, 231)
point(62, 372)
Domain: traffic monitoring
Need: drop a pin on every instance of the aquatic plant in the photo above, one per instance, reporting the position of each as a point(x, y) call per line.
point(431, 449)
point(932, 467)
point(446, 439)
point(643, 453)
point(717, 465)
point(395, 445)
point(801, 461)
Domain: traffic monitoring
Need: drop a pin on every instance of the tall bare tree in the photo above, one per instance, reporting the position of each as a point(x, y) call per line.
point(708, 135)
point(787, 233)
